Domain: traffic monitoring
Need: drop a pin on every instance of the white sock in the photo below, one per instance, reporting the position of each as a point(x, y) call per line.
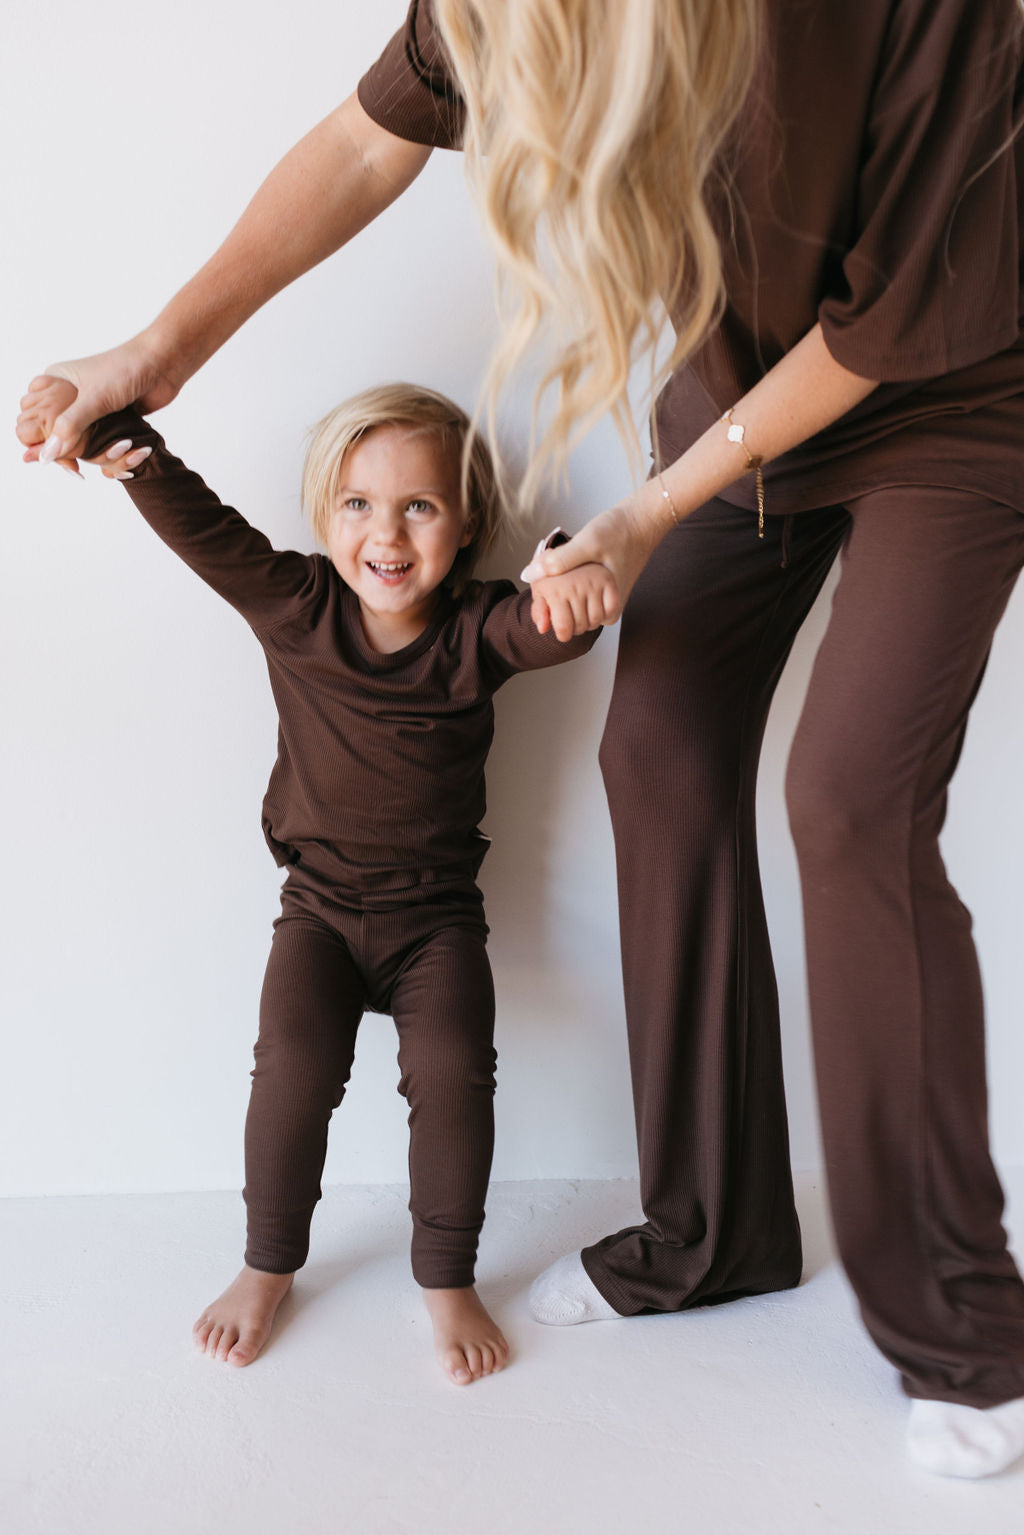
point(952, 1440)
point(565, 1293)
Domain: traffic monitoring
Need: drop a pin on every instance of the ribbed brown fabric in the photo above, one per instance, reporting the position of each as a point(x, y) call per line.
point(374, 805)
point(895, 998)
point(427, 966)
point(704, 637)
point(862, 196)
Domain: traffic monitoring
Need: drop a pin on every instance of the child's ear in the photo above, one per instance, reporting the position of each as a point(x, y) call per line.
point(468, 533)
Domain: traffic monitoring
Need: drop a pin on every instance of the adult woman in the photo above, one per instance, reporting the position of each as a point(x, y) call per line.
point(863, 320)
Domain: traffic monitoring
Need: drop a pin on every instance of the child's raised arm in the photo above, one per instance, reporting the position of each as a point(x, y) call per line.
point(229, 554)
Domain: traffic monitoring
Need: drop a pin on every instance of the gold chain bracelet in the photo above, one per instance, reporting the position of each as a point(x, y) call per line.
point(668, 498)
point(737, 434)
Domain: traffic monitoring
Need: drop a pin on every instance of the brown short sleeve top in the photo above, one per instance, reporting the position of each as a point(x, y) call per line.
point(410, 90)
point(875, 185)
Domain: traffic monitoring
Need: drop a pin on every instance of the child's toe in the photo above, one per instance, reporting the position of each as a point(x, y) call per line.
point(245, 1350)
point(457, 1367)
point(228, 1339)
point(474, 1360)
point(201, 1332)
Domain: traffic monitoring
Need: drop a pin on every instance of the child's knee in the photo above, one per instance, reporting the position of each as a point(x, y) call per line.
point(452, 1079)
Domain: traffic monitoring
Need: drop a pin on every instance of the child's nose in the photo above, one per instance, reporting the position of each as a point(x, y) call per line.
point(391, 526)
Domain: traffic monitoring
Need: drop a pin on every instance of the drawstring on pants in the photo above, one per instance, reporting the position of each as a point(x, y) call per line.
point(787, 525)
point(787, 529)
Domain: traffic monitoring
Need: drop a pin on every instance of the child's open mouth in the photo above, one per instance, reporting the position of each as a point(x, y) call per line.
point(389, 571)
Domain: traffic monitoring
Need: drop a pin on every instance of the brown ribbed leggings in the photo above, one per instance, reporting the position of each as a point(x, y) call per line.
point(427, 966)
point(895, 993)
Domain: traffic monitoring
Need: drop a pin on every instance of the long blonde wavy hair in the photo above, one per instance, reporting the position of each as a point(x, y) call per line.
point(593, 136)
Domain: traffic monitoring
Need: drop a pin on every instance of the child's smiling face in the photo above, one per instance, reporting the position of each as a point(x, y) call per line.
point(396, 528)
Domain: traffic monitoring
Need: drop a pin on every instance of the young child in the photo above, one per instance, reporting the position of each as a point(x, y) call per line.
point(383, 658)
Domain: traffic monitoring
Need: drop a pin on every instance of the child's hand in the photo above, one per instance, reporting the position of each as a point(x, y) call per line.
point(583, 598)
point(62, 403)
point(49, 396)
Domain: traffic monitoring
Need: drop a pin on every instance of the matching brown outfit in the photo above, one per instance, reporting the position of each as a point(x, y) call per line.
point(373, 806)
point(874, 180)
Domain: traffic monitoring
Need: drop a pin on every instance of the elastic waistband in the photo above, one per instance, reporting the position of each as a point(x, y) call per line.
point(344, 874)
point(426, 889)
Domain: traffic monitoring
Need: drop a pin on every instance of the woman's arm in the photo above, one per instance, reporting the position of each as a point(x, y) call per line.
point(804, 393)
point(332, 184)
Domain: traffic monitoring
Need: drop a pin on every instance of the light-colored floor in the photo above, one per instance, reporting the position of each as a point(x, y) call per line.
point(768, 1415)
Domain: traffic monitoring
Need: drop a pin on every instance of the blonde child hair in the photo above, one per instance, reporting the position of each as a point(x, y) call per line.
point(420, 409)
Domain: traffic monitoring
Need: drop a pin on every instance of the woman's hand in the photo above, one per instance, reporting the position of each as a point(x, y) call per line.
point(47, 399)
point(621, 540)
point(120, 460)
point(62, 403)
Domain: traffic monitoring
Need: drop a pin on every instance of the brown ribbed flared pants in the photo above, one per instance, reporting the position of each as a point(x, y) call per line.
point(894, 986)
point(425, 964)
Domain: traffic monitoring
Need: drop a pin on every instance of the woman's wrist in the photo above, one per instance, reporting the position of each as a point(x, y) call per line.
point(169, 352)
point(653, 511)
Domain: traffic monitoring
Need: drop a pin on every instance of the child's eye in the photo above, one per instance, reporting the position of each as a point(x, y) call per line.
point(421, 508)
point(355, 504)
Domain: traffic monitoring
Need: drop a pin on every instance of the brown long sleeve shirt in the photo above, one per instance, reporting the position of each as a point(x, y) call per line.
point(379, 779)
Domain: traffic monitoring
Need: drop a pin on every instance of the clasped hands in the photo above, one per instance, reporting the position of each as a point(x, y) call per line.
point(585, 582)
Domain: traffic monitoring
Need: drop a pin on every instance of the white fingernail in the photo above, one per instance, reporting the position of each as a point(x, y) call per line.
point(68, 470)
point(124, 476)
point(52, 448)
point(138, 457)
point(119, 448)
point(531, 573)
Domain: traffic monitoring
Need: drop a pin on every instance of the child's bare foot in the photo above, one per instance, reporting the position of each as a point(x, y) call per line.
point(467, 1340)
point(237, 1325)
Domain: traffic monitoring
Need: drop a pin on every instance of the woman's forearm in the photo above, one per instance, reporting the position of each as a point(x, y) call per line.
point(334, 182)
point(804, 393)
point(329, 186)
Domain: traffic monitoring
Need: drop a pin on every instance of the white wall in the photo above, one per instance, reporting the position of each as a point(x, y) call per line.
point(139, 727)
